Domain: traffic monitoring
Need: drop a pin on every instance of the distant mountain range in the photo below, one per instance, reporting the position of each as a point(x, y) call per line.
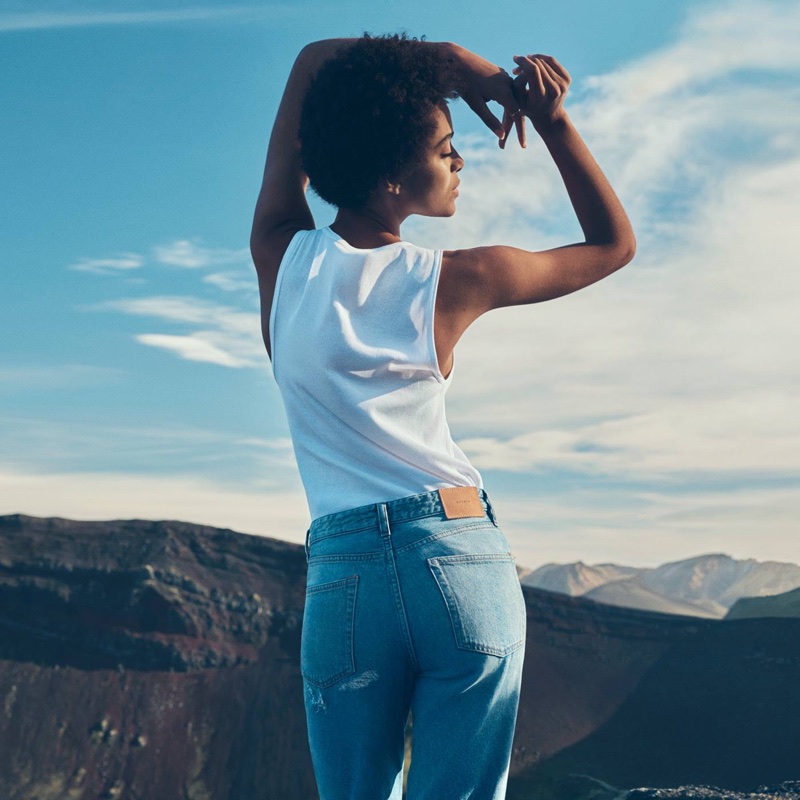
point(160, 661)
point(714, 586)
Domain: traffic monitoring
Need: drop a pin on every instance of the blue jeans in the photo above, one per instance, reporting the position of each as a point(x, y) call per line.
point(407, 609)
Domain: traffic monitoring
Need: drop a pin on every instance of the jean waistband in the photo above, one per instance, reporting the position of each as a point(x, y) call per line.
point(403, 509)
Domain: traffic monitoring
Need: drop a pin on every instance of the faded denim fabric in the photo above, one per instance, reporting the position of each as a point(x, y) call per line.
point(407, 609)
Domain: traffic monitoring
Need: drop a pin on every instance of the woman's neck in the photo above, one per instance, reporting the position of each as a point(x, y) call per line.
point(366, 230)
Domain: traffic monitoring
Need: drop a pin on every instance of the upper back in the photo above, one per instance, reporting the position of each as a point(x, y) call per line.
point(457, 296)
point(354, 300)
point(354, 357)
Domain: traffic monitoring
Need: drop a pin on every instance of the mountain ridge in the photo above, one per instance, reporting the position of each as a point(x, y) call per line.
point(707, 585)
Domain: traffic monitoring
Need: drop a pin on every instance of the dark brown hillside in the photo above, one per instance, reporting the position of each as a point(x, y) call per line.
point(636, 698)
point(159, 661)
point(149, 660)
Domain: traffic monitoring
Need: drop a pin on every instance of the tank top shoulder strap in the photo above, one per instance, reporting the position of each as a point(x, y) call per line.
point(290, 255)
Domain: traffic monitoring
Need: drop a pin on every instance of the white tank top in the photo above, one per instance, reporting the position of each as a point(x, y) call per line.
point(354, 358)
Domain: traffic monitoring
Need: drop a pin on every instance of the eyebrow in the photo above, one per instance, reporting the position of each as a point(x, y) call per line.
point(441, 141)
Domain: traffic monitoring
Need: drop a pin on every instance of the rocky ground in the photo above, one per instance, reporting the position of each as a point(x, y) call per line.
point(584, 787)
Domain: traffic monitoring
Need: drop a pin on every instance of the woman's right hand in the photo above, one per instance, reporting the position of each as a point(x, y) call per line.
point(547, 84)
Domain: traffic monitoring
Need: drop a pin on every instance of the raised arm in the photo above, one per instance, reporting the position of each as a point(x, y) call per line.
point(496, 276)
point(281, 204)
point(282, 200)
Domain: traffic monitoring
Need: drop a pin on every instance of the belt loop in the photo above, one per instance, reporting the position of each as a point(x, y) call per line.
point(305, 546)
point(383, 519)
point(490, 508)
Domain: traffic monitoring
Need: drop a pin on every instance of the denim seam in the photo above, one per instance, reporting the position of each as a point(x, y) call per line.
point(488, 514)
point(470, 557)
point(345, 532)
point(345, 557)
point(434, 536)
point(321, 587)
point(413, 516)
point(394, 581)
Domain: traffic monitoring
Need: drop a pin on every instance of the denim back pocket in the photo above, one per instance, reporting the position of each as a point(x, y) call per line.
point(326, 641)
point(484, 599)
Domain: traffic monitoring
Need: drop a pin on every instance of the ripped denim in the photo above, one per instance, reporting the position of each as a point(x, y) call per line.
point(407, 610)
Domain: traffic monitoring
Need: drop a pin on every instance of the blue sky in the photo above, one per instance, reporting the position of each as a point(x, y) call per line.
point(650, 417)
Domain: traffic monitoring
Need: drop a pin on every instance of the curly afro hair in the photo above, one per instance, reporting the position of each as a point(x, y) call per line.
point(367, 115)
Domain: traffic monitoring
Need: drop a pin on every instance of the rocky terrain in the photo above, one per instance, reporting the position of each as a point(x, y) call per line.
point(149, 660)
point(584, 787)
point(160, 661)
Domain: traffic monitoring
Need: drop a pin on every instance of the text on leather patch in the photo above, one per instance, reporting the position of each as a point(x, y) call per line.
point(461, 501)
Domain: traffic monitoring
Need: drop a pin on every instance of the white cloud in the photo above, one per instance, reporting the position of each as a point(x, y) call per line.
point(233, 281)
point(109, 266)
point(744, 434)
point(186, 253)
point(35, 444)
point(194, 347)
point(174, 309)
point(645, 528)
point(680, 371)
point(229, 337)
point(42, 20)
point(686, 359)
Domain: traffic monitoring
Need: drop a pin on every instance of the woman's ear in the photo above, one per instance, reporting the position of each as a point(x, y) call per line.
point(393, 188)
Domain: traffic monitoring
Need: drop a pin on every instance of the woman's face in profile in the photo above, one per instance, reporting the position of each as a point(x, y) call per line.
point(431, 186)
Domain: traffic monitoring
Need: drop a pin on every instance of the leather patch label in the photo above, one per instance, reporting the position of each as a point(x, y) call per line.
point(461, 501)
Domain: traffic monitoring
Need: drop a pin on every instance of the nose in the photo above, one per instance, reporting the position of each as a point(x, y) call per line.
point(458, 161)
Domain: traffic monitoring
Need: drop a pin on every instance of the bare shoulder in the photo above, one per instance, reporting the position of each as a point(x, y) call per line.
point(479, 279)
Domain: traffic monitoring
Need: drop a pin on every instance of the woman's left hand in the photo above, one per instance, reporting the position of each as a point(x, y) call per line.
point(481, 81)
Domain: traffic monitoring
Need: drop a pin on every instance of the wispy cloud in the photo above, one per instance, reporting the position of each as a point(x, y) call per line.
point(41, 20)
point(193, 347)
point(34, 444)
point(746, 434)
point(646, 527)
point(228, 337)
point(669, 387)
point(233, 281)
point(187, 253)
point(684, 361)
point(122, 262)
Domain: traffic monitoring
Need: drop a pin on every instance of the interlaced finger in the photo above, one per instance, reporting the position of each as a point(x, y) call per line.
point(550, 72)
point(556, 67)
point(532, 70)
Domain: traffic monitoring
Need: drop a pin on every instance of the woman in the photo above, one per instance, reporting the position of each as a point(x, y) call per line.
point(412, 597)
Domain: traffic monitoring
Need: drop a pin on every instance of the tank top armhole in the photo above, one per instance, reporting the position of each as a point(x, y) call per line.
point(287, 256)
point(435, 273)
